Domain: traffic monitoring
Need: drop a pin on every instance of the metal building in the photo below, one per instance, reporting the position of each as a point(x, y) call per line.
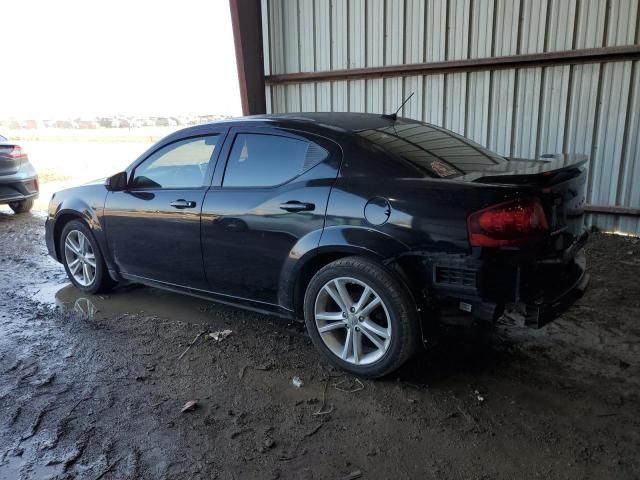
point(523, 77)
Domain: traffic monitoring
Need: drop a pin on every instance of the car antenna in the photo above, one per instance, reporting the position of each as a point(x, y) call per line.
point(394, 116)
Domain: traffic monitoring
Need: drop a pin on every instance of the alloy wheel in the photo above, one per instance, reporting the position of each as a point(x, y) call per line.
point(352, 320)
point(80, 258)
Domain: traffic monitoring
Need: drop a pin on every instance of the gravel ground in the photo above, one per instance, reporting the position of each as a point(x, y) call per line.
point(91, 387)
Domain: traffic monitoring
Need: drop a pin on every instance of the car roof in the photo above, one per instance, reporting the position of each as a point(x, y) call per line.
point(344, 122)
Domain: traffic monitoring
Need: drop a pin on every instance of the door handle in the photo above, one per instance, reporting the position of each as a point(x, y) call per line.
point(295, 206)
point(181, 203)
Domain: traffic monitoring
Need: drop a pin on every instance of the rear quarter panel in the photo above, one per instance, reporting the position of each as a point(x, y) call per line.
point(426, 213)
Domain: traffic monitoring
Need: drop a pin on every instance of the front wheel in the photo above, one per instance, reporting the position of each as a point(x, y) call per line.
point(22, 206)
point(361, 317)
point(82, 259)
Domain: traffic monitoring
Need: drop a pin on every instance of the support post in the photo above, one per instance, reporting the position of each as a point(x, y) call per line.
point(246, 19)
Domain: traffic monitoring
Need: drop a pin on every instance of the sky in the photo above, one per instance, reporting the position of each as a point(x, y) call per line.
point(75, 58)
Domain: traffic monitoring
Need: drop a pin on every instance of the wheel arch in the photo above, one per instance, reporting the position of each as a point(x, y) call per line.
point(313, 262)
point(90, 218)
point(63, 217)
point(335, 243)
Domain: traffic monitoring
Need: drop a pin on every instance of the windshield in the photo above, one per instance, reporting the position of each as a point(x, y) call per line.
point(437, 151)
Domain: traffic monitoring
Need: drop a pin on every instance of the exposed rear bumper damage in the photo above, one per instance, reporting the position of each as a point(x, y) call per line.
point(559, 294)
point(524, 288)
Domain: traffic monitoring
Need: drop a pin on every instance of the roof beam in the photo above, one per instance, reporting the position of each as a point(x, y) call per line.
point(567, 57)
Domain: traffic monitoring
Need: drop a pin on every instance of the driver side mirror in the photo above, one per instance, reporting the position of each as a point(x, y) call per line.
point(117, 182)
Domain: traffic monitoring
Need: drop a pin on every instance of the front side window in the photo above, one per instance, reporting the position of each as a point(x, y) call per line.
point(262, 160)
point(181, 164)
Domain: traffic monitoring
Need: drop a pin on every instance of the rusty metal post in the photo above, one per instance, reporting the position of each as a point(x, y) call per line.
point(247, 35)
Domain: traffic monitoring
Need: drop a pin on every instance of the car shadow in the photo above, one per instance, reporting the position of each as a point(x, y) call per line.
point(461, 352)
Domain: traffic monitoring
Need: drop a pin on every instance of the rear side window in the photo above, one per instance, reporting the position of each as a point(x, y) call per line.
point(263, 160)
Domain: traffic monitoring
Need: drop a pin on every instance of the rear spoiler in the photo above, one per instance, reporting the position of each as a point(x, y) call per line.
point(519, 170)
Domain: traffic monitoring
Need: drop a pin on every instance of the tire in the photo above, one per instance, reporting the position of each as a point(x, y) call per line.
point(395, 316)
point(22, 206)
point(100, 281)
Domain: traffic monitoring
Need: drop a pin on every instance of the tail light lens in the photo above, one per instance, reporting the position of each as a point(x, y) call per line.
point(16, 152)
point(514, 223)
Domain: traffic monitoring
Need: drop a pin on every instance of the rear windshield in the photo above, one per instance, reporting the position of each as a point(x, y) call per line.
point(434, 150)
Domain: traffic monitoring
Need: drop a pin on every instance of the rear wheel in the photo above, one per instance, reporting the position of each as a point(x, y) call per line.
point(83, 260)
point(361, 317)
point(22, 206)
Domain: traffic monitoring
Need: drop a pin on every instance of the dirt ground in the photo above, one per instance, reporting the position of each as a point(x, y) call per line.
point(91, 387)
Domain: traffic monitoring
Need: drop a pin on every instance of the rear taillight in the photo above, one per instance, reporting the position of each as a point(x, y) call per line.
point(514, 223)
point(16, 152)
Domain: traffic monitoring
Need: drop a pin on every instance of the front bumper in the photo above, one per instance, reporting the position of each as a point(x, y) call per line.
point(17, 190)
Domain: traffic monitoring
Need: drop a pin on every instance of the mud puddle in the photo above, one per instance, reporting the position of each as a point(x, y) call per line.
point(129, 300)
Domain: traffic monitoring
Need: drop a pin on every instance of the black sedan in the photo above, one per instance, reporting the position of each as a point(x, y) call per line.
point(371, 228)
point(18, 178)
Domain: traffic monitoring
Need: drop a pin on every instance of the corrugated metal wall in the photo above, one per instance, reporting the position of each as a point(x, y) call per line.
point(588, 108)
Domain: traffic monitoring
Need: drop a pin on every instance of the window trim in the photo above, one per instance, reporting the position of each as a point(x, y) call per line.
point(274, 132)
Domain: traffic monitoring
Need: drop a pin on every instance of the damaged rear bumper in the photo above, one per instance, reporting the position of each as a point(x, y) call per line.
point(529, 290)
point(559, 294)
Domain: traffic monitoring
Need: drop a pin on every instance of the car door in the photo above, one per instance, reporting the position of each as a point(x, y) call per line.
point(153, 227)
point(272, 193)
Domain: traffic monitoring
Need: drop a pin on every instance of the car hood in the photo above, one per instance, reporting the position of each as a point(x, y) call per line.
point(81, 188)
point(97, 181)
